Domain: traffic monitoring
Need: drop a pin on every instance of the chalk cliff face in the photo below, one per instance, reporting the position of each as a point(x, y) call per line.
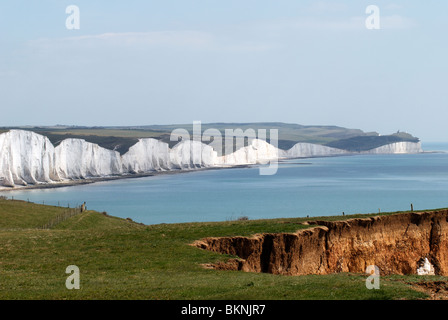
point(300, 150)
point(26, 158)
point(259, 151)
point(30, 158)
point(192, 154)
point(398, 147)
point(408, 243)
point(147, 155)
point(78, 159)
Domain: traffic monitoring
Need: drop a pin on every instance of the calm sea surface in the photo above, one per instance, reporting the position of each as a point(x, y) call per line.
point(301, 187)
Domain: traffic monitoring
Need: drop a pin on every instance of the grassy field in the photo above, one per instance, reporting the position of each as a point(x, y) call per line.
point(121, 259)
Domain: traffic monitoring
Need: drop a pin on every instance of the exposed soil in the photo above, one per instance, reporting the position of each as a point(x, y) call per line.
point(437, 290)
point(395, 243)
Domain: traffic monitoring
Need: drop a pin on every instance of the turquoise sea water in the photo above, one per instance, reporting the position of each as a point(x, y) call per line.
point(301, 187)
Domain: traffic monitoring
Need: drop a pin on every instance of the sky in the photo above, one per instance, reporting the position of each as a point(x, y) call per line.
point(177, 61)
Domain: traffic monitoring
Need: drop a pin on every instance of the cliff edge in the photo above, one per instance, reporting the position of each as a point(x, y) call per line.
point(405, 243)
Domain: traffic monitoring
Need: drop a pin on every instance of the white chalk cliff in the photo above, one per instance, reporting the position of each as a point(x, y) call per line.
point(303, 150)
point(397, 147)
point(26, 158)
point(29, 158)
point(147, 155)
point(192, 154)
point(258, 151)
point(78, 159)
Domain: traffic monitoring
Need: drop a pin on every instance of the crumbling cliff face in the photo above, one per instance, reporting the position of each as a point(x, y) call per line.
point(406, 243)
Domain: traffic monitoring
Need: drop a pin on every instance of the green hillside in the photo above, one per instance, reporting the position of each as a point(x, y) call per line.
point(122, 259)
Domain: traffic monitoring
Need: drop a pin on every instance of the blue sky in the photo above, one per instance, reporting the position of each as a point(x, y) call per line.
point(176, 61)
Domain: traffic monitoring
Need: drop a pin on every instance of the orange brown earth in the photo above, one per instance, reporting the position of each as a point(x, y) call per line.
point(437, 290)
point(397, 244)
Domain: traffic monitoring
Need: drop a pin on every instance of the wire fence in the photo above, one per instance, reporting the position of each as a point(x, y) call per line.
point(62, 217)
point(67, 214)
point(54, 203)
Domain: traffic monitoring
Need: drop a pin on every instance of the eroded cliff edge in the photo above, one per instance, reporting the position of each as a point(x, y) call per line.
point(397, 244)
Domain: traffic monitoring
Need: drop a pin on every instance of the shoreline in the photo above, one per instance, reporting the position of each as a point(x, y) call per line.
point(86, 181)
point(91, 180)
point(23, 191)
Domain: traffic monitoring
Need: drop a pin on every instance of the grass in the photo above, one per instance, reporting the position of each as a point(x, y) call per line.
point(121, 259)
point(23, 215)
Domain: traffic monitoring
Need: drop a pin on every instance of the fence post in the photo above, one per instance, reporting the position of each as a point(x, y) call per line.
point(71, 212)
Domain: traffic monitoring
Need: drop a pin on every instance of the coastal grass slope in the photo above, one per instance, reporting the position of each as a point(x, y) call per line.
point(122, 259)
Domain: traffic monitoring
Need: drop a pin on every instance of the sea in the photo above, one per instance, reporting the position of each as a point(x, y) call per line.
point(311, 187)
